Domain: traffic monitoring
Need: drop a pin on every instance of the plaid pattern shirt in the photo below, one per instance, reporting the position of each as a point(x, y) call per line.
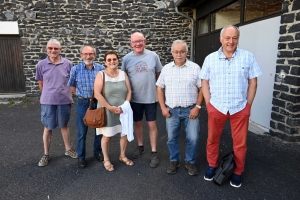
point(181, 84)
point(228, 79)
point(83, 78)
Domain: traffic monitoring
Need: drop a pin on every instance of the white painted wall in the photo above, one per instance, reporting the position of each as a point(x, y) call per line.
point(261, 38)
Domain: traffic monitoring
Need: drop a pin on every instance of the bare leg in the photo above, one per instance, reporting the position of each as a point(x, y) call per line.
point(47, 136)
point(105, 141)
point(123, 145)
point(153, 134)
point(66, 137)
point(138, 130)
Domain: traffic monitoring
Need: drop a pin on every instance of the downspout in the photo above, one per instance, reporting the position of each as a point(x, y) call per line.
point(192, 34)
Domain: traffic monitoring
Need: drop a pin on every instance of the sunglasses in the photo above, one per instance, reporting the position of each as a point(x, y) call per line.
point(109, 60)
point(50, 48)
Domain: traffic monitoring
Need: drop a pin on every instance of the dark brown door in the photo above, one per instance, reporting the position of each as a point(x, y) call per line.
point(12, 78)
point(205, 45)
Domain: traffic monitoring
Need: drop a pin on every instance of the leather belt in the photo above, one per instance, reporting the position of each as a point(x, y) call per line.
point(184, 107)
point(86, 99)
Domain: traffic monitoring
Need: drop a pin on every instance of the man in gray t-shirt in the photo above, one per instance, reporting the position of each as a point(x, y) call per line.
point(143, 68)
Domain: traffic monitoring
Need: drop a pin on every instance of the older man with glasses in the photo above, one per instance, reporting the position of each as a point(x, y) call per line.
point(52, 75)
point(81, 81)
point(180, 98)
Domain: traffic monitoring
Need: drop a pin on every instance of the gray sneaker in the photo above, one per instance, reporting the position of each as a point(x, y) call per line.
point(172, 169)
point(71, 153)
point(192, 170)
point(154, 160)
point(44, 160)
point(138, 152)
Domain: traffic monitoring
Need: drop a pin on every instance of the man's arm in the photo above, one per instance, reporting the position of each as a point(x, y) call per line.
point(40, 85)
point(73, 90)
point(205, 90)
point(157, 75)
point(161, 99)
point(195, 111)
point(251, 90)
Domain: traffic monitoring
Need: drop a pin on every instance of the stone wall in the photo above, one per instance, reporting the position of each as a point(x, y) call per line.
point(285, 116)
point(105, 24)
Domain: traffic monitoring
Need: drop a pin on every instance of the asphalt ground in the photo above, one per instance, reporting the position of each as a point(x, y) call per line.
point(272, 167)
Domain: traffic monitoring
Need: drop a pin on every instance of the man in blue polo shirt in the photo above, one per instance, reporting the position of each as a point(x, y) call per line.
point(81, 81)
point(52, 74)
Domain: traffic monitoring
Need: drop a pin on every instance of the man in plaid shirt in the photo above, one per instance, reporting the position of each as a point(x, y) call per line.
point(180, 97)
point(81, 81)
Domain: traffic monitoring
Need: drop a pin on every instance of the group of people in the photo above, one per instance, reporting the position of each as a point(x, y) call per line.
point(227, 82)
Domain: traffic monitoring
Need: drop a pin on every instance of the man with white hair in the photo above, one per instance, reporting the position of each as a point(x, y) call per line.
point(180, 98)
point(81, 81)
point(52, 75)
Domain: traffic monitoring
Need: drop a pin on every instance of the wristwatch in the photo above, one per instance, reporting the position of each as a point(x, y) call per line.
point(198, 106)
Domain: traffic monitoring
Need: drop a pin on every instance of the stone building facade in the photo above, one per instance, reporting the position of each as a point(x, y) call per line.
point(105, 24)
point(285, 117)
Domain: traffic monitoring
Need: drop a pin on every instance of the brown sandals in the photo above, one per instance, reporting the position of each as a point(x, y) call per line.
point(126, 161)
point(108, 166)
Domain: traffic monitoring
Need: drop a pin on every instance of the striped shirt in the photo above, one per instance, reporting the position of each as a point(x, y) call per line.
point(228, 79)
point(180, 83)
point(83, 78)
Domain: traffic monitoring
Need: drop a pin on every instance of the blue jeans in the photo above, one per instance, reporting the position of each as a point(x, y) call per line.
point(192, 130)
point(81, 107)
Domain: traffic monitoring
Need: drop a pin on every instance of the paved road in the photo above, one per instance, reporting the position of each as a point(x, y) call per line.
point(272, 166)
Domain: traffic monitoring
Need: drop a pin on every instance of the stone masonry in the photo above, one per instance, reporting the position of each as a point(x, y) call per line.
point(105, 24)
point(285, 116)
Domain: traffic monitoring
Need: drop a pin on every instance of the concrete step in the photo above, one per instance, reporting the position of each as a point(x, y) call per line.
point(12, 98)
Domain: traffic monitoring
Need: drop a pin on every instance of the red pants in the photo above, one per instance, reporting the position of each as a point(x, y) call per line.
point(239, 123)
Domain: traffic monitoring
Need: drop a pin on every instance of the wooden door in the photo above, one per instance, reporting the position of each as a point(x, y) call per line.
point(12, 78)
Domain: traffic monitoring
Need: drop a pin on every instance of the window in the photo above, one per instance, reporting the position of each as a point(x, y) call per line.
point(233, 13)
point(225, 16)
point(259, 8)
point(203, 25)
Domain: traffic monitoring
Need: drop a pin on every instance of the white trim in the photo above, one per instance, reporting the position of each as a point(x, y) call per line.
point(9, 28)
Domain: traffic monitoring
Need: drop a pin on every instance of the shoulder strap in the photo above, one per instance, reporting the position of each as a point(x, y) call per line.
point(102, 92)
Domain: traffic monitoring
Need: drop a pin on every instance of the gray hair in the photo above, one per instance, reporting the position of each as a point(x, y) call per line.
point(54, 41)
point(177, 42)
point(228, 26)
point(87, 46)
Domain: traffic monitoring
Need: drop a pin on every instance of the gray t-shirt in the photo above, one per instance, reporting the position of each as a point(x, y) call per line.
point(141, 70)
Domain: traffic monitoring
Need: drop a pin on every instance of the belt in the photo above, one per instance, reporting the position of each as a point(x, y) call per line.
point(86, 99)
point(184, 107)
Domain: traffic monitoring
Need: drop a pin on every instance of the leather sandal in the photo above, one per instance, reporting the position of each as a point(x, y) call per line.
point(108, 166)
point(126, 161)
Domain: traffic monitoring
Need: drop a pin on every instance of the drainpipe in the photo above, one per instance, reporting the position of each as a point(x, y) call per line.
point(192, 34)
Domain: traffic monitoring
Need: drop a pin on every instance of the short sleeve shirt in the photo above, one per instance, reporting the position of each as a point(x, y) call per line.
point(228, 79)
point(55, 78)
point(83, 78)
point(141, 70)
point(181, 84)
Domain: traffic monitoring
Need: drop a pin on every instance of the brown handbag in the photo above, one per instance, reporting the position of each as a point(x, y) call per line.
point(96, 118)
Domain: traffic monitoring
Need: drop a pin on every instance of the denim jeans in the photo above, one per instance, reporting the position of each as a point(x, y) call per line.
point(81, 107)
point(192, 130)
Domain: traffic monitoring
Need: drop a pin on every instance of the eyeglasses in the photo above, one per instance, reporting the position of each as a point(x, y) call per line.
point(137, 41)
point(109, 60)
point(88, 54)
point(50, 48)
point(178, 52)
